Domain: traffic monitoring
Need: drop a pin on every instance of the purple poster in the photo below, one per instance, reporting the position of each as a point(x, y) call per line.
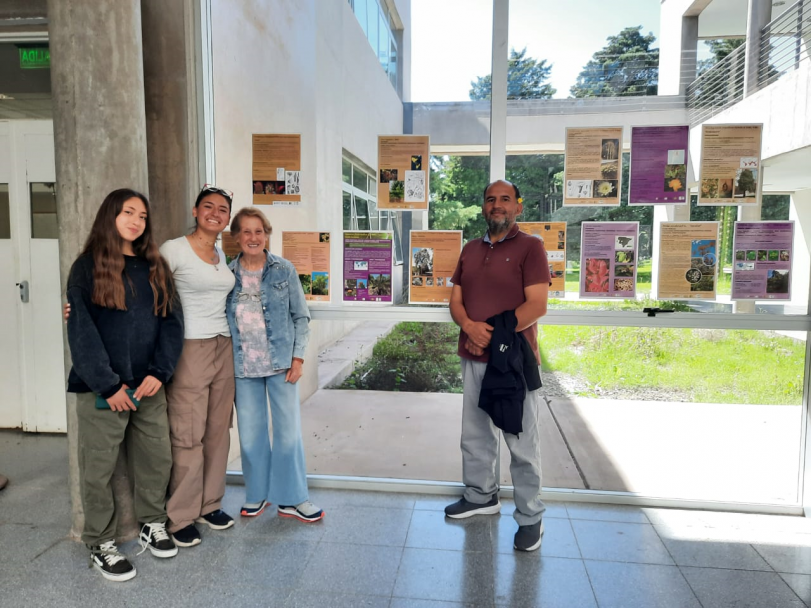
point(608, 259)
point(367, 266)
point(658, 165)
point(762, 267)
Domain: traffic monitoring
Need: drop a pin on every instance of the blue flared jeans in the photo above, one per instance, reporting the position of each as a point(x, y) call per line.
point(277, 474)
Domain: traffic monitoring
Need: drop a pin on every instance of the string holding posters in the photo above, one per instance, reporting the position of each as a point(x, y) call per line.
point(276, 170)
point(730, 165)
point(762, 266)
point(402, 162)
point(553, 236)
point(309, 252)
point(608, 259)
point(688, 260)
point(592, 173)
point(433, 259)
point(658, 172)
point(367, 266)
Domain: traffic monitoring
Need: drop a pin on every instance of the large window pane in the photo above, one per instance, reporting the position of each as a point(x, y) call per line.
point(383, 43)
point(5, 215)
point(346, 171)
point(43, 211)
point(347, 211)
point(362, 213)
point(359, 178)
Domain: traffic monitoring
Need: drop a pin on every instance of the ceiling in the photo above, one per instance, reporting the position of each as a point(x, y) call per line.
point(727, 18)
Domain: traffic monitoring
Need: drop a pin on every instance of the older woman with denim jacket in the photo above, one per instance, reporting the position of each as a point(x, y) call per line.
point(269, 318)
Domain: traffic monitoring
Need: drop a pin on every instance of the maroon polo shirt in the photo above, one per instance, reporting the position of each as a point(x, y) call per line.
point(493, 277)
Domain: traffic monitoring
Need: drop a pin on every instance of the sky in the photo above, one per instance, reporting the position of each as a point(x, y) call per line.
point(451, 39)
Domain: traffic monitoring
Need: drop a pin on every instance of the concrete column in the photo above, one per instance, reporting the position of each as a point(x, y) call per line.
point(758, 16)
point(689, 51)
point(100, 144)
point(498, 90)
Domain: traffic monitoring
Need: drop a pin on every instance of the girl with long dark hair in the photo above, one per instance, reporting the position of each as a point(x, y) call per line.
point(125, 334)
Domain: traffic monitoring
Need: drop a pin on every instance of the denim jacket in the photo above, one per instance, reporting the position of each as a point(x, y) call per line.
point(287, 317)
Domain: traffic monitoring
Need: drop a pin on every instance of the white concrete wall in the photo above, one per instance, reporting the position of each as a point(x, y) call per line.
point(670, 44)
point(801, 264)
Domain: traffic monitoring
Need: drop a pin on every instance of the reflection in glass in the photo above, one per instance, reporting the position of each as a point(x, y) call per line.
point(43, 211)
point(5, 213)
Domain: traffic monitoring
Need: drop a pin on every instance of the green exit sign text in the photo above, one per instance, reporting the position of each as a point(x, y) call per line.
point(35, 57)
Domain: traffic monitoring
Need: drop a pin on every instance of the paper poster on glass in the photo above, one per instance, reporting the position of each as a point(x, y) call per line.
point(762, 254)
point(688, 261)
point(402, 180)
point(592, 173)
point(658, 172)
point(309, 252)
point(608, 259)
point(276, 170)
point(730, 172)
point(434, 256)
point(553, 236)
point(367, 266)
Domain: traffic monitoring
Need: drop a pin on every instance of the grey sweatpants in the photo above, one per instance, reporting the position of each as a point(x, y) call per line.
point(480, 439)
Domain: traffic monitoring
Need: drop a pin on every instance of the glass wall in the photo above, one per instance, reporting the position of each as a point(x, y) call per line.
point(378, 25)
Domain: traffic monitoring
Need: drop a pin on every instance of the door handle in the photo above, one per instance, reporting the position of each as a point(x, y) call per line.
point(24, 291)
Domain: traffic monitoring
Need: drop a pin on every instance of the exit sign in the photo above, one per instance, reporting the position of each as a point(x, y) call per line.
point(36, 57)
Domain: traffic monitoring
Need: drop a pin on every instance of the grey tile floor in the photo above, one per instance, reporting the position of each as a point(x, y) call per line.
point(398, 551)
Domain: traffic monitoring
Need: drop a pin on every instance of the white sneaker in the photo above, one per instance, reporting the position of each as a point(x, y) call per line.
point(305, 511)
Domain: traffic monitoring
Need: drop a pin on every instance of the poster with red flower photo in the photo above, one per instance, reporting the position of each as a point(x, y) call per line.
point(608, 259)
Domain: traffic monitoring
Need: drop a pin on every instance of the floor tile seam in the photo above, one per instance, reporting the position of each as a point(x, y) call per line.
point(627, 561)
point(591, 583)
point(763, 557)
point(576, 541)
point(780, 574)
point(610, 521)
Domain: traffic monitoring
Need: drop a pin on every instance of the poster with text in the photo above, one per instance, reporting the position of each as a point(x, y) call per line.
point(688, 260)
point(367, 266)
point(658, 173)
point(309, 253)
point(608, 259)
point(553, 235)
point(276, 170)
point(434, 255)
point(592, 173)
point(402, 163)
point(730, 165)
point(761, 267)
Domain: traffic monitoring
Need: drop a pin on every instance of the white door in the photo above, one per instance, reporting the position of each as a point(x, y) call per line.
point(31, 347)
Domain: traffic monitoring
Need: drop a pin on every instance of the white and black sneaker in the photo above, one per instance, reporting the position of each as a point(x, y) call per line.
point(463, 508)
point(305, 511)
point(113, 565)
point(155, 538)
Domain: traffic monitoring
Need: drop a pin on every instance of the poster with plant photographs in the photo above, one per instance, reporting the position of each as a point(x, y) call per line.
point(762, 255)
point(730, 165)
point(309, 252)
point(658, 172)
point(367, 266)
point(608, 259)
point(433, 259)
point(553, 236)
point(276, 170)
point(592, 167)
point(402, 180)
point(688, 261)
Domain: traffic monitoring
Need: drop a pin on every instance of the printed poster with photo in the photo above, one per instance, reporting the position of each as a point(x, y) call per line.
point(608, 259)
point(276, 170)
point(309, 252)
point(433, 260)
point(402, 180)
point(553, 236)
point(761, 268)
point(688, 261)
point(658, 172)
point(730, 165)
point(592, 173)
point(367, 266)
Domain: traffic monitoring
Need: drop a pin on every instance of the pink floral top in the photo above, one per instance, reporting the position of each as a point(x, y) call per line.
point(251, 323)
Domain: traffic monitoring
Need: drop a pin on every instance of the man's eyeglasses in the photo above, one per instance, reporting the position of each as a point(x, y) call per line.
point(212, 188)
point(244, 297)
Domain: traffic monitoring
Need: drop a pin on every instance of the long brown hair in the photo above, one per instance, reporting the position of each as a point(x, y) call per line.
point(105, 245)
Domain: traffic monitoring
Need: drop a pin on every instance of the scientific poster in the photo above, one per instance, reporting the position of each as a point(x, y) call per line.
point(688, 260)
point(608, 259)
point(761, 268)
point(402, 180)
point(553, 235)
point(434, 255)
point(658, 173)
point(730, 165)
point(592, 173)
point(367, 266)
point(276, 171)
point(309, 253)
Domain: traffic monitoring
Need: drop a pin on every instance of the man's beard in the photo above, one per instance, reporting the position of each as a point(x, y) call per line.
point(497, 227)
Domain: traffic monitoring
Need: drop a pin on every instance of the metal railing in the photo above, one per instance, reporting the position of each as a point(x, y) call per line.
point(784, 43)
point(718, 88)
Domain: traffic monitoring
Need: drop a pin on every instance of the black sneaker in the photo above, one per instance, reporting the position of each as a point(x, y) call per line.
point(187, 537)
point(155, 538)
point(528, 538)
point(113, 566)
point(462, 508)
point(216, 520)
